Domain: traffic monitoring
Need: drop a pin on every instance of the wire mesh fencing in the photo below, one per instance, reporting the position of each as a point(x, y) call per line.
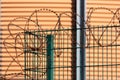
point(50, 54)
point(102, 53)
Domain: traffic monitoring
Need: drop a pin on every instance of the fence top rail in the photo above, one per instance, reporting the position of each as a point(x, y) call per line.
point(73, 28)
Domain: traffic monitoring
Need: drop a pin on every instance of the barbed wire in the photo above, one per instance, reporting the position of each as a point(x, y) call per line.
point(57, 26)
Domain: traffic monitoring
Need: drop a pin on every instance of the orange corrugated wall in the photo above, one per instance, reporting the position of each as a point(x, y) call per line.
point(10, 9)
point(102, 16)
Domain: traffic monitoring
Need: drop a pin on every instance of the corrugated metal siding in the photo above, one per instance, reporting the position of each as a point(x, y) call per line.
point(21, 8)
point(10, 9)
point(103, 16)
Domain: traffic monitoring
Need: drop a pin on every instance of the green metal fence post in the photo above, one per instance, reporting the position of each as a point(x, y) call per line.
point(50, 58)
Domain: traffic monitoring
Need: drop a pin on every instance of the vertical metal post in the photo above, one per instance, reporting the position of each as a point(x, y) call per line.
point(82, 41)
point(50, 58)
point(81, 54)
point(25, 55)
point(33, 57)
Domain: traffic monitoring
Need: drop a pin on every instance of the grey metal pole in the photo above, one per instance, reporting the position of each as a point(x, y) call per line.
point(81, 54)
point(78, 41)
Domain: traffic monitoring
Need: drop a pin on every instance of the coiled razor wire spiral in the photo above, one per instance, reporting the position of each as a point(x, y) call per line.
point(57, 26)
